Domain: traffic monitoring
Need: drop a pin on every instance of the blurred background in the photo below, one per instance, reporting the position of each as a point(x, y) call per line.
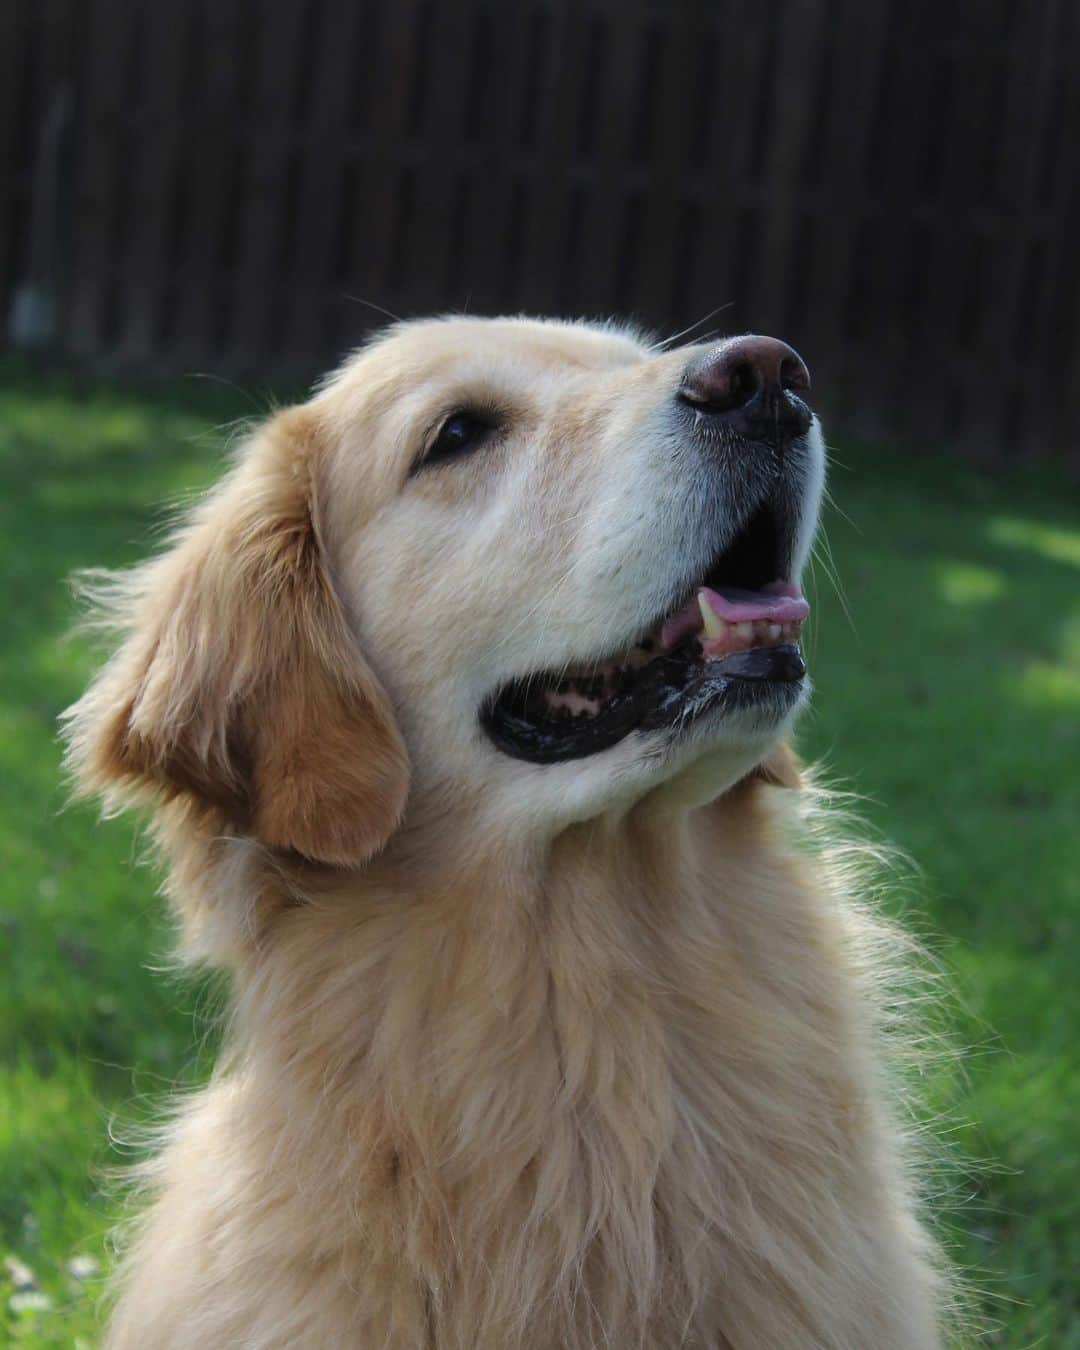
point(205, 203)
point(241, 185)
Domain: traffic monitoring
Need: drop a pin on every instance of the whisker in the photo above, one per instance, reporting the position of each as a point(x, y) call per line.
point(828, 566)
point(379, 309)
point(832, 458)
point(264, 407)
point(669, 341)
point(834, 505)
point(705, 337)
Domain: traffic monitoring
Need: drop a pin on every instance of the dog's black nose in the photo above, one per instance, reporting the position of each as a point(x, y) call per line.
point(755, 384)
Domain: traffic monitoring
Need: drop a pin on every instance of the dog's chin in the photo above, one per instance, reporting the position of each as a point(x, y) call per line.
point(700, 765)
point(663, 770)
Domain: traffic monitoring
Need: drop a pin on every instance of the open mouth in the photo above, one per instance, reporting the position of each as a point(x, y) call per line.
point(731, 643)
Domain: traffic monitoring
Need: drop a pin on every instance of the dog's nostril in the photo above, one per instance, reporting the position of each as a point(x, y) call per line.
point(742, 385)
point(748, 381)
point(793, 374)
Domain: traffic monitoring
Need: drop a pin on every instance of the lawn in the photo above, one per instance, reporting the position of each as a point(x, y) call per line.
point(948, 697)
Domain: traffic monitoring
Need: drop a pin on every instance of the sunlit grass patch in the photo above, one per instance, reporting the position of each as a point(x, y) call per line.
point(964, 583)
point(1051, 686)
point(1052, 541)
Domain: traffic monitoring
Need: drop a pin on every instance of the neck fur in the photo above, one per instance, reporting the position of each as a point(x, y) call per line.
point(614, 1072)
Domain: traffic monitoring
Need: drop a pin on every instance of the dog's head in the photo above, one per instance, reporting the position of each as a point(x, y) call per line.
point(548, 565)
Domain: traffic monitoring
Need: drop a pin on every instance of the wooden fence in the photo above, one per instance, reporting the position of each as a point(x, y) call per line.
point(241, 185)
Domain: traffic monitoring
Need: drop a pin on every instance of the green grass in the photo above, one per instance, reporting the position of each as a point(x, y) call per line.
point(951, 701)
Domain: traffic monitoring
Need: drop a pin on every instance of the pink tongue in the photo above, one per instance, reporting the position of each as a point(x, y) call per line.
point(780, 601)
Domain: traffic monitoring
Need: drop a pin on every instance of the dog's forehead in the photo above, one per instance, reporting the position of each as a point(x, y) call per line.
point(462, 348)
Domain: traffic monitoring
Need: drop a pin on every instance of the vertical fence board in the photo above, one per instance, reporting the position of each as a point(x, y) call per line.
point(323, 179)
point(1062, 395)
point(954, 195)
point(36, 111)
point(157, 123)
point(102, 187)
point(1017, 237)
point(623, 42)
point(714, 263)
point(217, 131)
point(1056, 70)
point(440, 135)
point(483, 257)
point(258, 296)
point(551, 204)
point(668, 156)
point(899, 275)
point(386, 171)
point(793, 81)
point(15, 158)
point(859, 33)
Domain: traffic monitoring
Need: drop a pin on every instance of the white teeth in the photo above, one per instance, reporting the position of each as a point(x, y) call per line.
point(743, 635)
point(714, 625)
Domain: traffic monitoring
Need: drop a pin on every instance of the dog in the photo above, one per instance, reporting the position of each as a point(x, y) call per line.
point(462, 705)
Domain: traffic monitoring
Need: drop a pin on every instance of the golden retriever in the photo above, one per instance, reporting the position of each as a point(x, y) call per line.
point(461, 704)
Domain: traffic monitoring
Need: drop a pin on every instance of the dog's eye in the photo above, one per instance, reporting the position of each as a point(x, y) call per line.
point(461, 433)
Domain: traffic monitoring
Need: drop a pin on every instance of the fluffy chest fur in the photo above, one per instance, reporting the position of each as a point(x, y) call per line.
point(624, 1102)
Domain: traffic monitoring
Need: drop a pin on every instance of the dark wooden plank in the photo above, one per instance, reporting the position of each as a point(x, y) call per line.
point(31, 196)
point(1059, 194)
point(606, 159)
point(1012, 406)
point(1046, 195)
point(833, 179)
point(324, 179)
point(394, 96)
point(793, 79)
point(564, 81)
point(507, 153)
point(258, 294)
point(1060, 324)
point(963, 113)
point(682, 68)
point(217, 131)
point(440, 133)
point(17, 59)
point(716, 254)
point(884, 352)
point(14, 74)
point(484, 248)
point(103, 188)
point(160, 122)
point(960, 94)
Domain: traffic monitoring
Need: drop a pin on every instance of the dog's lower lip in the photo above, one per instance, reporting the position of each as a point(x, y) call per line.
point(763, 663)
point(680, 688)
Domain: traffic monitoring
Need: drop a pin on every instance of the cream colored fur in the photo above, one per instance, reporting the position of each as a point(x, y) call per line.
point(520, 1056)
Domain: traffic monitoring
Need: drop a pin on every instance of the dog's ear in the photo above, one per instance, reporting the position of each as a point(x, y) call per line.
point(780, 767)
point(238, 684)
